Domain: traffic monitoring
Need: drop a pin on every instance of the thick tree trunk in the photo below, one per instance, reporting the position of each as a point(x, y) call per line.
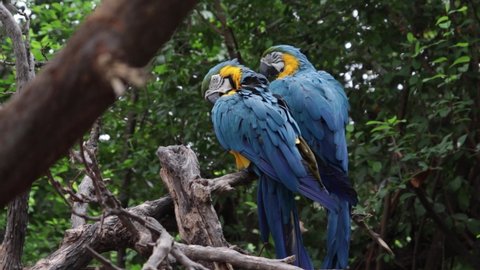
point(40, 124)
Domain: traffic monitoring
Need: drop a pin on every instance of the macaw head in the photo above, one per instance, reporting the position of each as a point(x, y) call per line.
point(229, 77)
point(282, 60)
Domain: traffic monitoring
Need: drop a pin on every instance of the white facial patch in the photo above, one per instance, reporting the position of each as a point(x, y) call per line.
point(274, 59)
point(219, 84)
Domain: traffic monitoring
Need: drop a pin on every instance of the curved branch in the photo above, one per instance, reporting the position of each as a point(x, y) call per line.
point(227, 255)
point(14, 32)
point(39, 125)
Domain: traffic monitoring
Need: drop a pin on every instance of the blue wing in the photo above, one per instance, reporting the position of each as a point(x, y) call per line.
point(320, 107)
point(264, 132)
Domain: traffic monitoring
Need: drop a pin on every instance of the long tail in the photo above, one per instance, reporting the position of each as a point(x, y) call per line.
point(338, 237)
point(278, 216)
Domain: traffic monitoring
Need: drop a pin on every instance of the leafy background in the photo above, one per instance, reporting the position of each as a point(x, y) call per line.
point(411, 71)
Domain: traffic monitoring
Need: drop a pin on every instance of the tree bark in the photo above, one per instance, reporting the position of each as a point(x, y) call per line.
point(17, 216)
point(196, 219)
point(236, 259)
point(86, 189)
point(109, 234)
point(100, 236)
point(12, 246)
point(40, 124)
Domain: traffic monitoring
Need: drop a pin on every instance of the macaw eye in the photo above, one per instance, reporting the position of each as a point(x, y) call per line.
point(215, 82)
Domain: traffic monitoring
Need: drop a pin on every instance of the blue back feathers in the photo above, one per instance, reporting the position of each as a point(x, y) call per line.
point(320, 106)
point(254, 124)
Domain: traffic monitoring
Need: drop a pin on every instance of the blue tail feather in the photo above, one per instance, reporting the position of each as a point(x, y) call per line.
point(278, 217)
point(338, 237)
point(310, 188)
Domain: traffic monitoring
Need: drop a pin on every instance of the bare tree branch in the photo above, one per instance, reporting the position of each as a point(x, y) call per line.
point(17, 216)
point(185, 261)
point(14, 32)
point(160, 251)
point(223, 254)
point(106, 263)
point(85, 189)
point(226, 183)
point(375, 236)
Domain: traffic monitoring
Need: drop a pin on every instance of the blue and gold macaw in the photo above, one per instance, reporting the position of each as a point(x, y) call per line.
point(319, 105)
point(260, 132)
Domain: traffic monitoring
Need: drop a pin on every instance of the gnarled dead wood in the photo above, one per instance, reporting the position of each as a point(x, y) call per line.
point(196, 218)
point(223, 254)
point(73, 252)
point(108, 235)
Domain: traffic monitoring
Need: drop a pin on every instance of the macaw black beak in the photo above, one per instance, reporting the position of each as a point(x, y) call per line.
point(212, 95)
point(268, 70)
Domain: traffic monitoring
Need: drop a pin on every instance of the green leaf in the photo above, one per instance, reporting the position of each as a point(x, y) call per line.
point(440, 60)
point(461, 44)
point(442, 20)
point(463, 9)
point(252, 205)
point(461, 60)
point(410, 37)
point(392, 120)
point(461, 140)
point(445, 25)
point(376, 166)
point(441, 76)
point(374, 122)
point(382, 127)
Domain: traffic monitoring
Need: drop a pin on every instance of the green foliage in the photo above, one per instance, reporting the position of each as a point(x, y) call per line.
point(412, 76)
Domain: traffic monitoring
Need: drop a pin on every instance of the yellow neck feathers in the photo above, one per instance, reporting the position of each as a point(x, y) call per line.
point(291, 65)
point(234, 72)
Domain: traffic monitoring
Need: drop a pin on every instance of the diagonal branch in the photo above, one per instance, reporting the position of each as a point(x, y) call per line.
point(227, 32)
point(223, 254)
point(64, 100)
point(22, 67)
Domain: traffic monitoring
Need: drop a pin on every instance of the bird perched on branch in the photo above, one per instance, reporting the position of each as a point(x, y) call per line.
point(260, 132)
point(320, 107)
